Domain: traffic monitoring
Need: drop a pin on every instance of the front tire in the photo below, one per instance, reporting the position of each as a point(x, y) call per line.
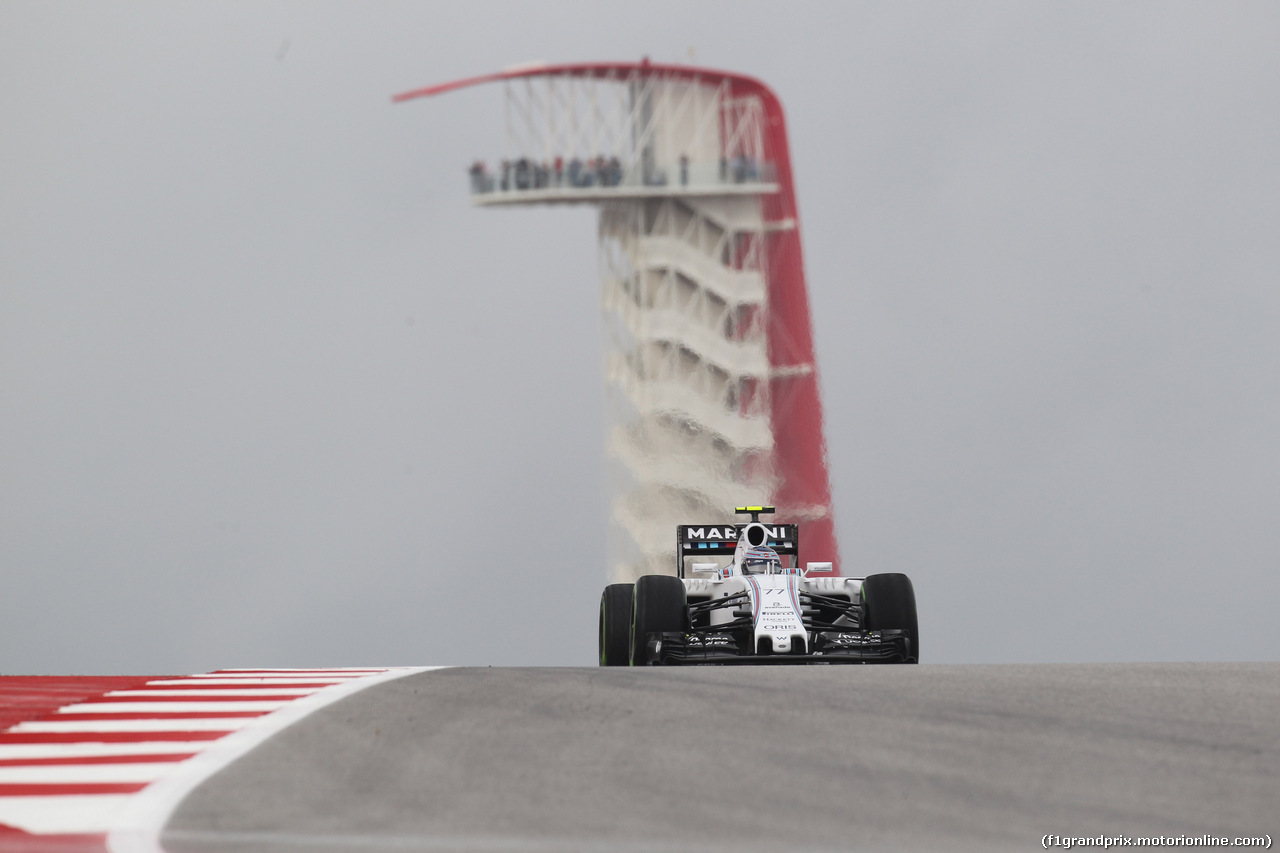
point(889, 601)
point(660, 607)
point(615, 624)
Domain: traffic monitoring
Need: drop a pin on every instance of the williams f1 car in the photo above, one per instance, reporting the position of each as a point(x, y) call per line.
point(758, 606)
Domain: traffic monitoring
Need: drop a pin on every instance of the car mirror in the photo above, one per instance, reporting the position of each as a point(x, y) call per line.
point(816, 567)
point(706, 567)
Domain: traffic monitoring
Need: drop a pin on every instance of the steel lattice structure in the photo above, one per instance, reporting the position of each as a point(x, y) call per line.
point(710, 363)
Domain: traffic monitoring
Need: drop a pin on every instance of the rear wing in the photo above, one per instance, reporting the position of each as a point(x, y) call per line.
point(702, 541)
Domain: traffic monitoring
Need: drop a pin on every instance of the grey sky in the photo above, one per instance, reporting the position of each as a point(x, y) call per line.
point(273, 393)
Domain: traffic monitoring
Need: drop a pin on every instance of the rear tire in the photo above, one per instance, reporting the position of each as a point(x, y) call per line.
point(889, 601)
point(660, 606)
point(615, 624)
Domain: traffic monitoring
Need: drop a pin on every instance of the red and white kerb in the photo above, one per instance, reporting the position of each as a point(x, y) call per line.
point(105, 772)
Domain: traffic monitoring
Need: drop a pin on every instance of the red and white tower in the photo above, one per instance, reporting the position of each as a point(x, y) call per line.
point(710, 364)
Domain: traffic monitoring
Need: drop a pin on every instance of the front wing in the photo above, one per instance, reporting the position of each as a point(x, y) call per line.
point(704, 647)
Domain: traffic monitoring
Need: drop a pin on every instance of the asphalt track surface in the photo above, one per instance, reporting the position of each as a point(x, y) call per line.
point(758, 758)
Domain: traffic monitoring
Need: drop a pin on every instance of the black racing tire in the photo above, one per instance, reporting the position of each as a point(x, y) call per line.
point(660, 606)
point(889, 601)
point(615, 624)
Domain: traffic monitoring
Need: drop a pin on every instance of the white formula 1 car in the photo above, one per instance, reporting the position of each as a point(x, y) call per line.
point(758, 607)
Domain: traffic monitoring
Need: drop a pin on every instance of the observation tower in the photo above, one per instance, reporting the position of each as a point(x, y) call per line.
point(709, 363)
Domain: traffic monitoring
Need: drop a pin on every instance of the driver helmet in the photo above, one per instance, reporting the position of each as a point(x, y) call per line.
point(761, 560)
